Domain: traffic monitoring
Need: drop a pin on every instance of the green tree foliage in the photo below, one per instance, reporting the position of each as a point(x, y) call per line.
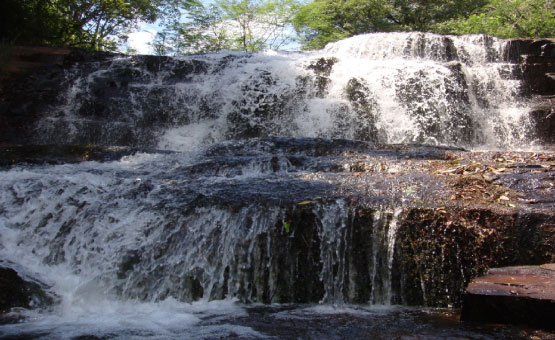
point(423, 15)
point(323, 21)
point(240, 25)
point(29, 21)
point(508, 19)
point(91, 24)
point(201, 32)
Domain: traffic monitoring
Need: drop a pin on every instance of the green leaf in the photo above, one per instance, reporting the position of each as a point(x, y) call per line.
point(287, 227)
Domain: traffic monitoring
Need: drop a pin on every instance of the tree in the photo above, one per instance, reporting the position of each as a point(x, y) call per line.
point(91, 24)
point(257, 24)
point(323, 21)
point(240, 25)
point(202, 31)
point(162, 44)
point(508, 19)
point(28, 21)
point(422, 15)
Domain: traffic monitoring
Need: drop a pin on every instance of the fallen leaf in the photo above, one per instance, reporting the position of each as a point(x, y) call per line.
point(504, 198)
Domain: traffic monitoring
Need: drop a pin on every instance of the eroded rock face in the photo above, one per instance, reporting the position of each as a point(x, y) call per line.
point(537, 60)
point(543, 117)
point(516, 295)
point(108, 110)
point(307, 219)
point(62, 154)
point(16, 292)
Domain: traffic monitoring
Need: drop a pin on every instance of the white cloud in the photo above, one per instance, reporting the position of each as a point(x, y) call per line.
point(139, 41)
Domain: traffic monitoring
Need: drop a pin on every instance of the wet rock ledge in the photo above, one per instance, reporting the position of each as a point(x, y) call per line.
point(17, 292)
point(515, 295)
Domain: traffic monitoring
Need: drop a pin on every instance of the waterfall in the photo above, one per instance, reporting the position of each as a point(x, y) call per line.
point(272, 177)
point(119, 229)
point(382, 87)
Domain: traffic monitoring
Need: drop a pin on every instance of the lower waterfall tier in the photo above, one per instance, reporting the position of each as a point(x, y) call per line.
point(278, 220)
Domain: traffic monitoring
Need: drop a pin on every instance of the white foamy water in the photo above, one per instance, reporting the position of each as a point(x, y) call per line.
point(383, 87)
point(116, 319)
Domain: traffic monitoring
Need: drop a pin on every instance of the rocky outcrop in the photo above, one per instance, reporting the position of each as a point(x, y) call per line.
point(515, 295)
point(542, 115)
point(37, 90)
point(437, 216)
point(62, 154)
point(17, 292)
point(22, 59)
point(30, 83)
point(537, 60)
point(132, 102)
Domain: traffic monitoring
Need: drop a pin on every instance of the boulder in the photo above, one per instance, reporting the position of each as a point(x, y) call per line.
point(523, 295)
point(543, 118)
point(17, 292)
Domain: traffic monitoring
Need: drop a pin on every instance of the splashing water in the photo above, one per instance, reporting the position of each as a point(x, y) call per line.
point(387, 88)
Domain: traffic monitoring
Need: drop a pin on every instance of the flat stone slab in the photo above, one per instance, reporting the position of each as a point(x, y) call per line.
point(522, 295)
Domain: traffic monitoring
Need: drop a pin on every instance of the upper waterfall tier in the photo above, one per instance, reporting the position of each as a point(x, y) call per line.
point(469, 49)
point(386, 87)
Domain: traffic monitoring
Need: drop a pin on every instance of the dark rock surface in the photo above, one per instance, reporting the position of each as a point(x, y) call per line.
point(516, 295)
point(62, 154)
point(30, 82)
point(16, 292)
point(460, 212)
point(36, 90)
point(543, 118)
point(537, 63)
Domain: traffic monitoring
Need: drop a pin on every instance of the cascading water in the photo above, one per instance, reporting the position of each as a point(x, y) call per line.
point(386, 88)
point(235, 213)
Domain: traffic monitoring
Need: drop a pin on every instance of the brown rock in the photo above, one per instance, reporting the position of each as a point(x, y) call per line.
point(515, 295)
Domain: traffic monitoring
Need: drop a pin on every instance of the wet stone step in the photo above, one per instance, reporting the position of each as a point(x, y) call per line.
point(523, 295)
